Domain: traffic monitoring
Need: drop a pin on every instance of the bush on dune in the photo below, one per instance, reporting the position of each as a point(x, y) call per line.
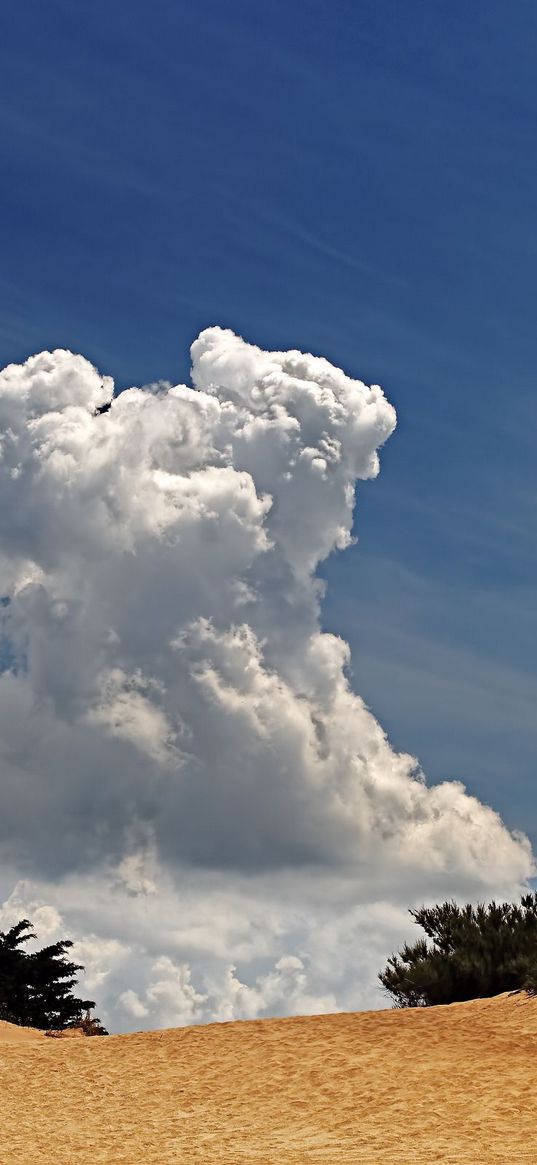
point(468, 953)
point(36, 988)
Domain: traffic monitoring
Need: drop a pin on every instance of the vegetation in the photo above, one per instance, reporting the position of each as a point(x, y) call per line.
point(36, 988)
point(468, 953)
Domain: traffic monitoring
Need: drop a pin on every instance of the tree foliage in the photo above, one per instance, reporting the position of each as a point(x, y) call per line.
point(36, 988)
point(468, 953)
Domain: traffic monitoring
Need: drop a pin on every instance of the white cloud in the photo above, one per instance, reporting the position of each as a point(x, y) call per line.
point(171, 713)
point(285, 987)
point(98, 956)
point(171, 999)
point(25, 902)
point(130, 1002)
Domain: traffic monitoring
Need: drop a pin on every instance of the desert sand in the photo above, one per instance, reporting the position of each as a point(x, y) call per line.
point(450, 1084)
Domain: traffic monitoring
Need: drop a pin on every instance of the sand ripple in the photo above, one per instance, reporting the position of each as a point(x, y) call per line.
point(456, 1085)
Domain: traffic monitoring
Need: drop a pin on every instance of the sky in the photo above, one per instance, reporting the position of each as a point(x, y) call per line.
point(352, 180)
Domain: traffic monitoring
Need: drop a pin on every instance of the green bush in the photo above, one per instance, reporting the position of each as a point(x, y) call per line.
point(36, 989)
point(468, 953)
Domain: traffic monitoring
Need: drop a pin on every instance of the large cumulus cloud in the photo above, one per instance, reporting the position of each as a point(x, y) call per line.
point(164, 675)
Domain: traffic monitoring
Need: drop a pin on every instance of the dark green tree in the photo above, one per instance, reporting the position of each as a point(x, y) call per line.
point(469, 952)
point(36, 989)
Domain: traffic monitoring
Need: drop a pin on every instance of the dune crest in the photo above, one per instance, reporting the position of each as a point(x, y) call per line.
point(11, 1033)
point(450, 1084)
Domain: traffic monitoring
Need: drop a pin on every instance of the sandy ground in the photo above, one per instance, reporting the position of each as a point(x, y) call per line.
point(452, 1084)
point(9, 1034)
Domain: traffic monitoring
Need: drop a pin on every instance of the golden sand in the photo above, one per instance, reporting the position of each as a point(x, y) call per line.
point(10, 1034)
point(451, 1084)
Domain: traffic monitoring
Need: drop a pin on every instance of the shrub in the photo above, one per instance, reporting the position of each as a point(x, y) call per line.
point(36, 988)
point(468, 953)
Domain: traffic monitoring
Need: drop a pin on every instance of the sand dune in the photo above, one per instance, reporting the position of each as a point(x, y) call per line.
point(9, 1034)
point(452, 1084)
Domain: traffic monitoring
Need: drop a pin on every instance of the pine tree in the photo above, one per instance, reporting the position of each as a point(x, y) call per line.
point(472, 953)
point(36, 988)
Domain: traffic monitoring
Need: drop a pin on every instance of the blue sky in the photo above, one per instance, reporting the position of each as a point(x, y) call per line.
point(355, 179)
